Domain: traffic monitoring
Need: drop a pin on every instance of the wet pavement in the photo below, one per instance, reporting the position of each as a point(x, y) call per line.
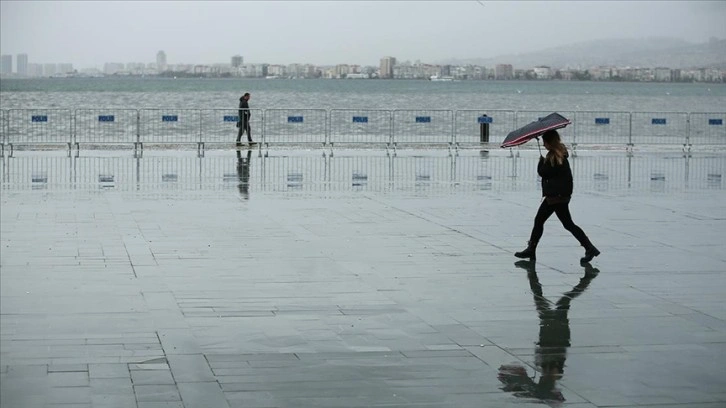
point(301, 279)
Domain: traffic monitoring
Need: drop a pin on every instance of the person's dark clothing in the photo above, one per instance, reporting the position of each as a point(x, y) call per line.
point(244, 120)
point(557, 179)
point(562, 210)
point(557, 189)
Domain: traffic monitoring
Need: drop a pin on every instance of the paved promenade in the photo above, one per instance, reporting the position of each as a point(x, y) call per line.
point(358, 280)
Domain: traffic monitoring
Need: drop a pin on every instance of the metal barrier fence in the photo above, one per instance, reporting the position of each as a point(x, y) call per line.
point(3, 127)
point(39, 127)
point(220, 125)
point(412, 127)
point(106, 126)
point(295, 126)
point(474, 127)
point(355, 126)
point(707, 129)
point(602, 128)
point(170, 126)
point(659, 128)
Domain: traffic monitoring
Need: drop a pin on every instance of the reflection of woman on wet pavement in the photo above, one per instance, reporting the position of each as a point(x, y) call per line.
point(243, 173)
point(556, 192)
point(554, 339)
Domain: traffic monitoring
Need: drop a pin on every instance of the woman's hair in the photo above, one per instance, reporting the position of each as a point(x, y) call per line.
point(558, 151)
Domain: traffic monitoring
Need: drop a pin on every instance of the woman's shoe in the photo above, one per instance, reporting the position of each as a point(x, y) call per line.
point(590, 252)
point(529, 252)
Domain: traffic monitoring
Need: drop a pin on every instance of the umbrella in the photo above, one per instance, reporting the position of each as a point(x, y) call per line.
point(535, 129)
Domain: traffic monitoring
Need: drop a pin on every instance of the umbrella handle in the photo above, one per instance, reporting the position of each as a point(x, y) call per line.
point(538, 148)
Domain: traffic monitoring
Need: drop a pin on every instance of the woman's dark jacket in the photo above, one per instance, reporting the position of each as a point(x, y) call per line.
point(557, 179)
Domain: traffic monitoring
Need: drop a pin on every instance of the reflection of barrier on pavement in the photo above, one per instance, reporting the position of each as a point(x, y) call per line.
point(469, 125)
point(295, 127)
point(39, 127)
point(360, 127)
point(101, 128)
point(607, 171)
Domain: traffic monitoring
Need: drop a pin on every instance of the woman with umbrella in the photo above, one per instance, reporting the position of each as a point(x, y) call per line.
point(554, 169)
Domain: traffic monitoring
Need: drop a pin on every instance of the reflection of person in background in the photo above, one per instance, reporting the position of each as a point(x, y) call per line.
point(243, 172)
point(554, 339)
point(244, 119)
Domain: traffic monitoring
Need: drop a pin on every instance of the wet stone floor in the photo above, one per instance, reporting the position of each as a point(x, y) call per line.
point(358, 279)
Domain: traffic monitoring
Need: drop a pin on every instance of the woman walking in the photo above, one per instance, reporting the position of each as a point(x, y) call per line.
point(556, 191)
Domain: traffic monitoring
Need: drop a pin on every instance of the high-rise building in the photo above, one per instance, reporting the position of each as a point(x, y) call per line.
point(237, 61)
point(504, 71)
point(22, 64)
point(6, 64)
point(387, 64)
point(161, 61)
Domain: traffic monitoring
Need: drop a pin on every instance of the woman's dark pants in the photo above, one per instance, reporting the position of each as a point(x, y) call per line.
point(563, 213)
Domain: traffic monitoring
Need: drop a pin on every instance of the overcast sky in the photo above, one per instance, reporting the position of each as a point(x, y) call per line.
point(89, 33)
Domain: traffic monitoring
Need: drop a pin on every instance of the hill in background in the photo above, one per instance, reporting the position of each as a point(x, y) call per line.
point(646, 52)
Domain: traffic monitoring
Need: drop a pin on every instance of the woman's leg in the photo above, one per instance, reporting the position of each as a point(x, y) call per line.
point(563, 213)
point(544, 212)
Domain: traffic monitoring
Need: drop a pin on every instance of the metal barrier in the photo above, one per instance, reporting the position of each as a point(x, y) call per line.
point(219, 126)
point(602, 128)
point(39, 127)
point(295, 126)
point(353, 127)
point(357, 127)
point(707, 129)
point(474, 127)
point(423, 127)
point(3, 129)
point(170, 126)
point(106, 126)
point(659, 128)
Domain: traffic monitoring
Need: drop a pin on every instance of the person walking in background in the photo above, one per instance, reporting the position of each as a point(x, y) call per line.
point(244, 119)
point(557, 188)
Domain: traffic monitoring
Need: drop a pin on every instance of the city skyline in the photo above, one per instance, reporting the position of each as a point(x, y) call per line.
point(329, 33)
point(388, 68)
